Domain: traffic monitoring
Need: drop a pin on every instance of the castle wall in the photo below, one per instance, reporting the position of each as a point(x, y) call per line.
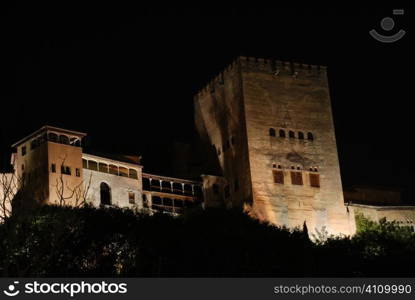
point(292, 98)
point(121, 186)
point(61, 186)
point(31, 172)
point(403, 215)
point(120, 189)
point(220, 122)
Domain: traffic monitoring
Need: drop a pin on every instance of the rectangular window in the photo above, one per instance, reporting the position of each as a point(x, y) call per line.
point(131, 198)
point(145, 202)
point(78, 172)
point(215, 189)
point(53, 168)
point(84, 164)
point(314, 180)
point(236, 185)
point(297, 178)
point(23, 150)
point(278, 176)
point(65, 170)
point(227, 191)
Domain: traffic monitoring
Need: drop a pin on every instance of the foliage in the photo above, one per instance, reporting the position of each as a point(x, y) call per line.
point(64, 241)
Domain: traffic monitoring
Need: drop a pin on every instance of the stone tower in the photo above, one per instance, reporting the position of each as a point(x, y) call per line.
point(270, 126)
point(48, 164)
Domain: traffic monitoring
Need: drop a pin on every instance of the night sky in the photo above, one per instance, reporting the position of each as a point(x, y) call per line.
point(126, 75)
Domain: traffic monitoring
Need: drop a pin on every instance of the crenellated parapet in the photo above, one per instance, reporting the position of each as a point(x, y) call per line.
point(219, 79)
point(274, 67)
point(278, 67)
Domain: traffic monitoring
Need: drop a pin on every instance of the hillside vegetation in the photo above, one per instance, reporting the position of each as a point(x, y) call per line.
point(62, 241)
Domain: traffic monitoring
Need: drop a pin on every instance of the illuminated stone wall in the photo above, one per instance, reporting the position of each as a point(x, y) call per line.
point(71, 157)
point(403, 215)
point(279, 96)
point(40, 157)
point(121, 186)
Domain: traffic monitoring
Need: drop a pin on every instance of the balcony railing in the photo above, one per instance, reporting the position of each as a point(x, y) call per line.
point(170, 190)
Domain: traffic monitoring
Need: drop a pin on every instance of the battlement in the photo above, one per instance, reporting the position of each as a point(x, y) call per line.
point(278, 67)
point(264, 65)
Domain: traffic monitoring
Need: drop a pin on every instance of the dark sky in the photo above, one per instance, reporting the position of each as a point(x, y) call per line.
point(126, 75)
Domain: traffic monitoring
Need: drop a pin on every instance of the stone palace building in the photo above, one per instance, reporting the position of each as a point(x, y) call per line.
point(267, 131)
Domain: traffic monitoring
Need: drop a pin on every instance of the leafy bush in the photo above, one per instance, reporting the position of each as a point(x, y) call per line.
point(63, 241)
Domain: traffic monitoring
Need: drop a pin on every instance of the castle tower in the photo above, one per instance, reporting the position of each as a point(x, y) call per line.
point(48, 165)
point(271, 126)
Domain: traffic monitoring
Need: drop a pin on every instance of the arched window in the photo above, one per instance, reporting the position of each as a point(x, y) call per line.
point(33, 144)
point(103, 167)
point(291, 134)
point(63, 139)
point(53, 137)
point(105, 194)
point(113, 169)
point(301, 135)
point(123, 172)
point(282, 133)
point(310, 136)
point(271, 132)
point(92, 165)
point(133, 174)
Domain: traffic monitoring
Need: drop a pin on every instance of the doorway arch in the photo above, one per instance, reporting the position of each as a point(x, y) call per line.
point(105, 192)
